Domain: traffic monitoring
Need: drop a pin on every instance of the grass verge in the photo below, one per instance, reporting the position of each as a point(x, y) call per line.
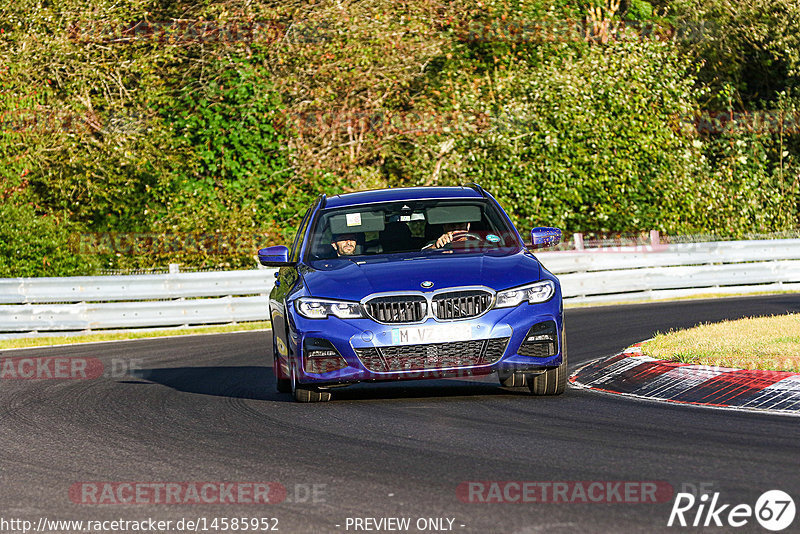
point(27, 342)
point(769, 343)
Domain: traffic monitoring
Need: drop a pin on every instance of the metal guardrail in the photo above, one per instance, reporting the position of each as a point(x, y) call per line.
point(93, 316)
point(86, 303)
point(135, 287)
point(670, 271)
point(592, 275)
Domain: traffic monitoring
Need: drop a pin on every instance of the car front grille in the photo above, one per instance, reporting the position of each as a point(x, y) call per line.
point(397, 309)
point(461, 304)
point(433, 355)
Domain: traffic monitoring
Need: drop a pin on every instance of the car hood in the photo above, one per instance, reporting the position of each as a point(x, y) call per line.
point(353, 279)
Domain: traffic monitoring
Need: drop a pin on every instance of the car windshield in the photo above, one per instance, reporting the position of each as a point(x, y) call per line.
point(409, 226)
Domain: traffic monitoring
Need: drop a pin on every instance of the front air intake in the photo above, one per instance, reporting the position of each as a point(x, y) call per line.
point(541, 341)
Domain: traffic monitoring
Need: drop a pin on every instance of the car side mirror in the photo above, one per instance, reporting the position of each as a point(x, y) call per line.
point(276, 256)
point(545, 236)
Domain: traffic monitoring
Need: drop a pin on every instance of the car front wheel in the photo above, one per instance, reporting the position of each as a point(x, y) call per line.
point(552, 381)
point(513, 380)
point(303, 393)
point(282, 384)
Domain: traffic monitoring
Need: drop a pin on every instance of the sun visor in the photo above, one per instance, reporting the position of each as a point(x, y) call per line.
point(453, 214)
point(366, 221)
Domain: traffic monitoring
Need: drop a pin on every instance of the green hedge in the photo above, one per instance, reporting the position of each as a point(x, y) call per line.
point(112, 131)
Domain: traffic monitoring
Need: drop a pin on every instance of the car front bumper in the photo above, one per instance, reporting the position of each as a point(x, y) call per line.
point(377, 352)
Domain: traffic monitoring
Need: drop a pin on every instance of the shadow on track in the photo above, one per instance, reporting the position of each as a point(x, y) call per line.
point(420, 389)
point(258, 383)
point(245, 382)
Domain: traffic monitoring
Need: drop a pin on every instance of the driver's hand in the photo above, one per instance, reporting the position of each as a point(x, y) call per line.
point(449, 237)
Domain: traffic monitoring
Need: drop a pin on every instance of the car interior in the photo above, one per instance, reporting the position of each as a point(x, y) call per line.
point(392, 231)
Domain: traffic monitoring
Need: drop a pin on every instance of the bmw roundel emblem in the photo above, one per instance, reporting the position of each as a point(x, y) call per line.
point(426, 284)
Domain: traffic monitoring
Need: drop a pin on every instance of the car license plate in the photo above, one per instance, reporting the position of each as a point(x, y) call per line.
point(431, 334)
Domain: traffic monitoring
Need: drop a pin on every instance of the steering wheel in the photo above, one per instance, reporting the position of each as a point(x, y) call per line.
point(468, 236)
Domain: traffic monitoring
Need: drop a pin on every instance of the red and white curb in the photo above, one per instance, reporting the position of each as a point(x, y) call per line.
point(632, 373)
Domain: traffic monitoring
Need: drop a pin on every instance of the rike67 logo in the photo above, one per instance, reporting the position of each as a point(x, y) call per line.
point(774, 510)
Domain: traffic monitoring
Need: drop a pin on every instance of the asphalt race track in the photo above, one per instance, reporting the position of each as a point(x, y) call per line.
point(204, 408)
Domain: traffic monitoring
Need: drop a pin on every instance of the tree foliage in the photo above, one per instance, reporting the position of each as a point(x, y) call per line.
point(178, 118)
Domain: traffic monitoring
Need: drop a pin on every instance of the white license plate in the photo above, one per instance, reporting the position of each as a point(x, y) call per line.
point(431, 334)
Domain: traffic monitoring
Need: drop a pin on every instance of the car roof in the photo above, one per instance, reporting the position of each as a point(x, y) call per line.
point(400, 194)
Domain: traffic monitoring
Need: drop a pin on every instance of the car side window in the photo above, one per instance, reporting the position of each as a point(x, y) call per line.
point(298, 239)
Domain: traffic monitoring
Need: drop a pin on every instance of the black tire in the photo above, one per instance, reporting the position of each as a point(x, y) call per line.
point(513, 380)
point(306, 394)
point(311, 395)
point(283, 385)
point(552, 381)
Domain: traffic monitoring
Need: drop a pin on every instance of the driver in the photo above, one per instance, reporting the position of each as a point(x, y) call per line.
point(453, 233)
point(344, 244)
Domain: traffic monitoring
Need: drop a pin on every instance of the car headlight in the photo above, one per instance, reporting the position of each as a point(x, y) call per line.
point(532, 293)
point(312, 308)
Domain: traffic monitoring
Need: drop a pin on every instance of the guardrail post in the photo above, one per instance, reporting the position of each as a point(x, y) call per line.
point(655, 238)
point(577, 237)
point(174, 268)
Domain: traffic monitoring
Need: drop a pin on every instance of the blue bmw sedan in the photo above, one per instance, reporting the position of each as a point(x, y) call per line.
point(413, 283)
